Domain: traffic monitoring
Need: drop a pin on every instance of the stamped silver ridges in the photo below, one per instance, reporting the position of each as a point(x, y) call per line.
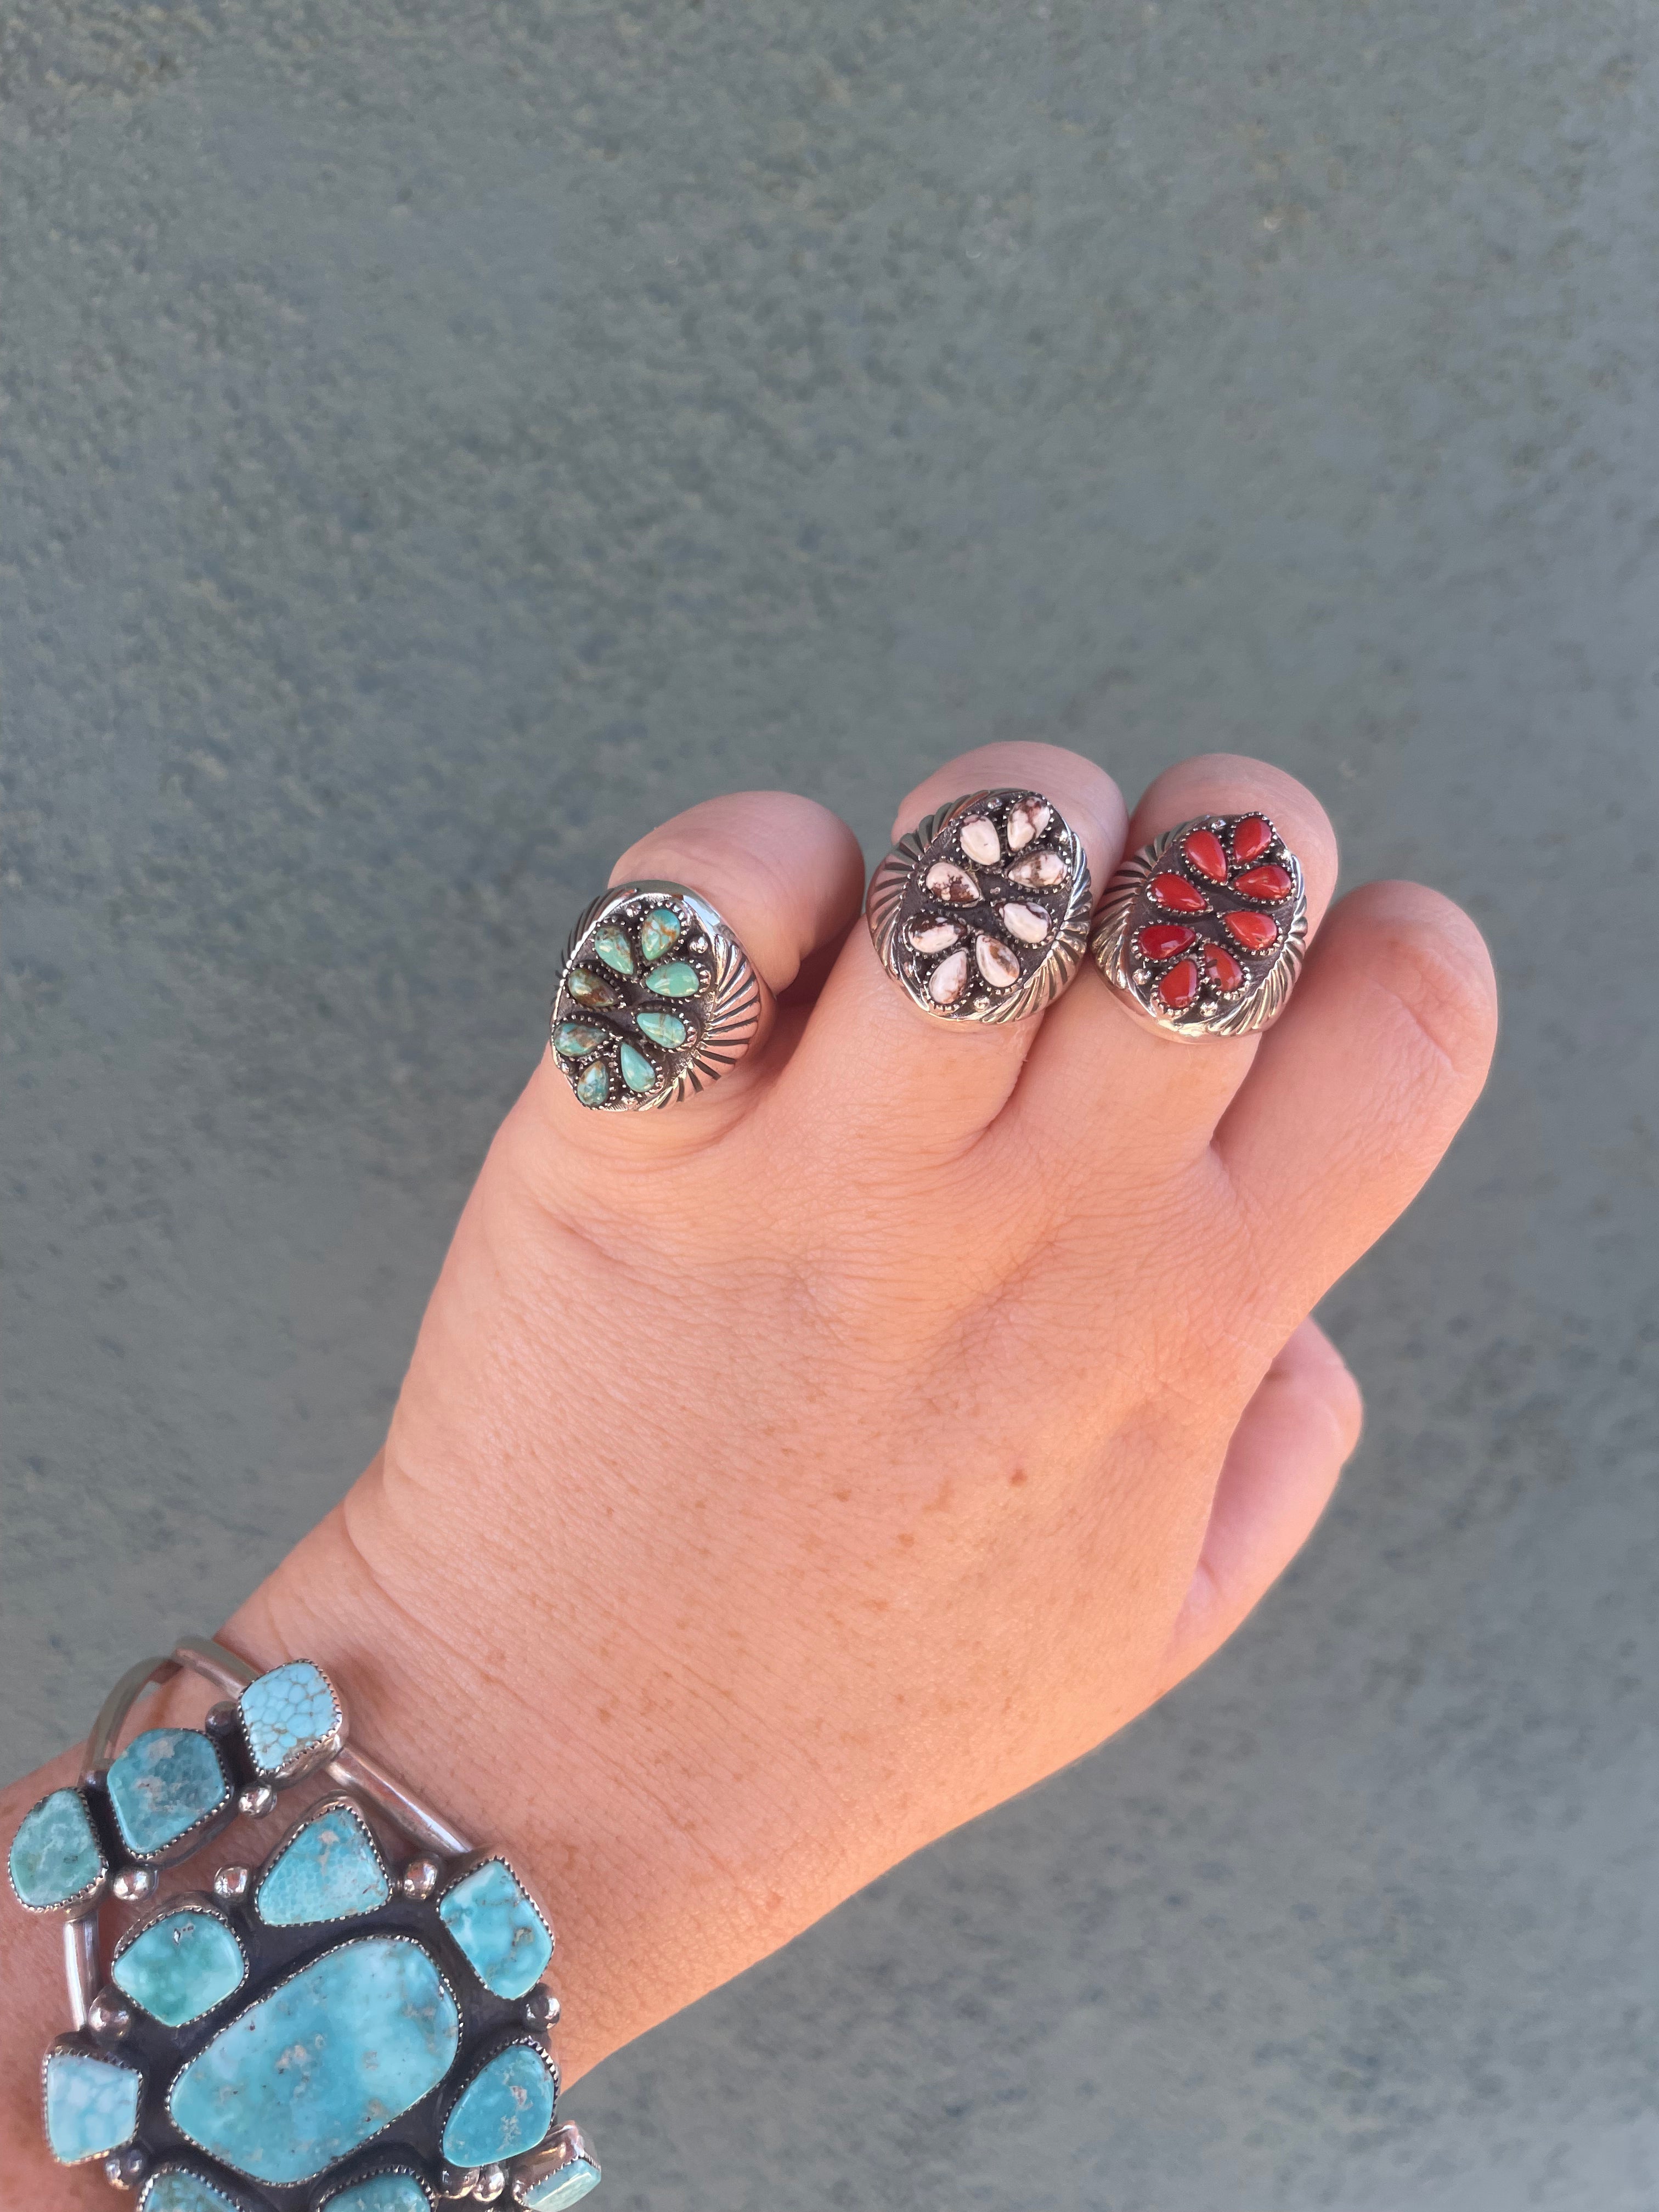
point(656, 998)
point(982, 911)
point(1204, 928)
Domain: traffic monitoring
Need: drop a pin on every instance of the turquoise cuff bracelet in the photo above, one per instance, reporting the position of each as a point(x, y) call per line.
point(358, 2023)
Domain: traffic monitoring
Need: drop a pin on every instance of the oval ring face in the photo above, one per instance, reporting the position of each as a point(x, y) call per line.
point(1204, 930)
point(982, 912)
point(656, 998)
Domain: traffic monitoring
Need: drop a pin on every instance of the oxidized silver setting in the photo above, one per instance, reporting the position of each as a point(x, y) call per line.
point(1204, 930)
point(419, 1857)
point(982, 912)
point(656, 1000)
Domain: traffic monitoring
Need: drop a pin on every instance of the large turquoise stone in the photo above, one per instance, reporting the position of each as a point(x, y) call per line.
point(174, 2189)
point(382, 2192)
point(288, 1715)
point(309, 2074)
point(506, 1941)
point(163, 1783)
point(613, 948)
point(506, 2108)
point(637, 1071)
point(675, 979)
point(92, 2105)
point(555, 2192)
point(659, 932)
point(329, 1870)
point(180, 1968)
point(56, 1856)
point(662, 1029)
point(576, 1040)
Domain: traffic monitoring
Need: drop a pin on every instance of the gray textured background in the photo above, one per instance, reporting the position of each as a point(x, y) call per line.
point(445, 438)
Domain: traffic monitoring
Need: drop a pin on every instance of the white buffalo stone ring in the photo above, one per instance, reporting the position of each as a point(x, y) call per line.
point(982, 912)
point(656, 1000)
point(1204, 929)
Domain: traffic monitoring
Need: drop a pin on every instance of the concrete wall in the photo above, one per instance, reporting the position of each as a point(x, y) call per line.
point(444, 438)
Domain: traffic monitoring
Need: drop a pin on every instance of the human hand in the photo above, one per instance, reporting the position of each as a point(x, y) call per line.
point(783, 1479)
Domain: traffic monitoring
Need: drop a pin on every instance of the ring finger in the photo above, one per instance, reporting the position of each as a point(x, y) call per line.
point(1101, 1071)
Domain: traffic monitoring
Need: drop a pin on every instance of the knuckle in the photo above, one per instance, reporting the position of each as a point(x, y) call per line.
point(1435, 969)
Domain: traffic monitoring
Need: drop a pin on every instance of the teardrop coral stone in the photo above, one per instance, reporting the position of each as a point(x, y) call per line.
point(1180, 987)
point(1269, 881)
point(1162, 941)
point(1204, 849)
point(1251, 839)
point(1254, 931)
point(1176, 892)
point(1223, 970)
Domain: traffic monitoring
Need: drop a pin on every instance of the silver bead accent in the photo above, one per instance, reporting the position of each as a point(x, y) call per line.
point(258, 1801)
point(489, 2184)
point(420, 1878)
point(126, 2169)
point(223, 1718)
point(108, 2015)
point(458, 2181)
point(230, 1883)
point(541, 2007)
point(134, 1884)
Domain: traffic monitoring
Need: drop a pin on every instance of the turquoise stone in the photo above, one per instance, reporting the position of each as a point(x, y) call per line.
point(505, 1940)
point(327, 1870)
point(675, 979)
point(638, 1074)
point(92, 2105)
point(593, 1085)
point(569, 2185)
point(662, 1029)
point(180, 1968)
point(382, 2192)
point(589, 989)
point(506, 2108)
point(174, 2189)
point(659, 932)
point(614, 948)
point(55, 1855)
point(576, 1039)
point(287, 1716)
point(333, 2055)
point(163, 1783)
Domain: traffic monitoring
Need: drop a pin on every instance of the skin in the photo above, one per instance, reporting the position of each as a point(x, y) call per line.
point(783, 1480)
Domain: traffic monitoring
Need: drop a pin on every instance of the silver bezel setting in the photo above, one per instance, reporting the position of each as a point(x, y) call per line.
point(231, 2194)
point(452, 1876)
point(274, 1989)
point(900, 904)
point(336, 1801)
point(1128, 908)
point(77, 2046)
point(91, 1894)
point(727, 1015)
point(527, 2037)
point(378, 2168)
point(564, 2147)
point(209, 1908)
point(305, 1760)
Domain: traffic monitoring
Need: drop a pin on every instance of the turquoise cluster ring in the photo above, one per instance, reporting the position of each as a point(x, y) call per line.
point(656, 1000)
point(358, 2022)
